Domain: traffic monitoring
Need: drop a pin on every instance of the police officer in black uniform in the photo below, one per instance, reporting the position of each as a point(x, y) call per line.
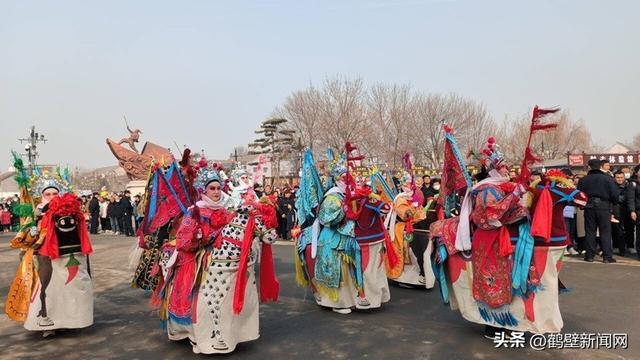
point(603, 193)
point(622, 211)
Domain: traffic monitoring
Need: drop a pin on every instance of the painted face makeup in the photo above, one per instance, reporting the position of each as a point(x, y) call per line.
point(214, 191)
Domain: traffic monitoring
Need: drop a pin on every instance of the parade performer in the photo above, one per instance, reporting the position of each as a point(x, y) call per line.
point(166, 200)
point(367, 211)
point(410, 243)
point(492, 280)
point(213, 298)
point(375, 246)
point(241, 185)
point(344, 264)
point(551, 195)
point(307, 229)
point(52, 288)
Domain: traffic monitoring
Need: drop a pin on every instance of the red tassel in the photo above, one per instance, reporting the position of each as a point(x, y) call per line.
point(542, 216)
point(408, 227)
point(269, 285)
point(392, 257)
point(241, 281)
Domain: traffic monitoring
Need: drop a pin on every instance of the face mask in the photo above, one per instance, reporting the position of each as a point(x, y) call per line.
point(627, 175)
point(436, 187)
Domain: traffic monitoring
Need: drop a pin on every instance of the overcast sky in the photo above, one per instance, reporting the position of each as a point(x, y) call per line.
point(206, 73)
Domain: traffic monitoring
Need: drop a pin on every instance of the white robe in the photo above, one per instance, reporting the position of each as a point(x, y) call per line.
point(69, 306)
point(374, 278)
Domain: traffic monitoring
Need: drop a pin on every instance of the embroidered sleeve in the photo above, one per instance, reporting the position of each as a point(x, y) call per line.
point(187, 235)
point(404, 210)
point(495, 208)
point(331, 212)
point(580, 199)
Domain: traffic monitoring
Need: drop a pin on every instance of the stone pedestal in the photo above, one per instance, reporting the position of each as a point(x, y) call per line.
point(136, 187)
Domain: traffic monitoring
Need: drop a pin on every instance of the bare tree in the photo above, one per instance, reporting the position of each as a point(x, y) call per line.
point(391, 112)
point(470, 120)
point(386, 120)
point(304, 110)
point(343, 112)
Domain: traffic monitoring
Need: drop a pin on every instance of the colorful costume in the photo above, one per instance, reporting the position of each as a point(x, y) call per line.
point(166, 201)
point(409, 235)
point(53, 287)
point(500, 278)
point(550, 196)
point(210, 296)
point(342, 241)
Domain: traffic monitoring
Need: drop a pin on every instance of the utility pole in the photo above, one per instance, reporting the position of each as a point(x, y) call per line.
point(31, 148)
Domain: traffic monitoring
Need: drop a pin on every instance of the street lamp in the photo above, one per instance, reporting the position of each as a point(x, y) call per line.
point(31, 148)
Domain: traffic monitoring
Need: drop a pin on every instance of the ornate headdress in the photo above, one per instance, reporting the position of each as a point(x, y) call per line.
point(337, 165)
point(405, 177)
point(236, 174)
point(492, 157)
point(207, 173)
point(42, 180)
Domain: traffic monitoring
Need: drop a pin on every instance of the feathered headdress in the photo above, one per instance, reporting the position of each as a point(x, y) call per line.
point(530, 157)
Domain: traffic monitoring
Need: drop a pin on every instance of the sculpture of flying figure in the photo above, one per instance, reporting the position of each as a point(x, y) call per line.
point(134, 136)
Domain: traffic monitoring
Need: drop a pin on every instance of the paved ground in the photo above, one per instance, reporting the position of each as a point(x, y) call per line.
point(414, 325)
